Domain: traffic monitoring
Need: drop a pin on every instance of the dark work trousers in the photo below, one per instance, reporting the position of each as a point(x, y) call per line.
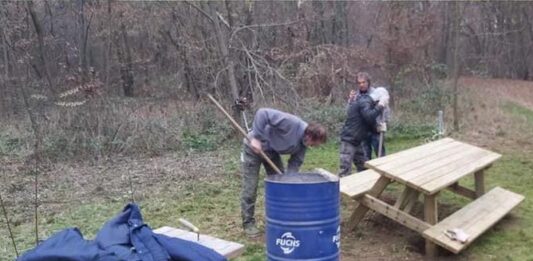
point(372, 144)
point(349, 154)
point(251, 164)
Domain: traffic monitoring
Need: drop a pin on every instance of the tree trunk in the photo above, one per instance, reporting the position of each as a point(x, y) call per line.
point(456, 65)
point(229, 12)
point(40, 39)
point(49, 12)
point(82, 41)
point(530, 33)
point(319, 32)
point(126, 64)
point(189, 73)
point(340, 23)
point(5, 54)
point(109, 44)
point(445, 33)
point(222, 45)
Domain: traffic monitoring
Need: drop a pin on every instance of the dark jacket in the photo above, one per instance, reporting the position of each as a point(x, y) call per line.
point(125, 237)
point(361, 120)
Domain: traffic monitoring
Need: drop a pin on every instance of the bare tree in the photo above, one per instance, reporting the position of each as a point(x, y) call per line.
point(41, 51)
point(456, 63)
point(125, 58)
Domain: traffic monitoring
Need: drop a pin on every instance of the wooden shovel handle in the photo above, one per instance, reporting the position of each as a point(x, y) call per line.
point(238, 127)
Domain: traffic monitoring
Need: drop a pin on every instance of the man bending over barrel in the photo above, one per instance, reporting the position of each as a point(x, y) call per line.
point(273, 132)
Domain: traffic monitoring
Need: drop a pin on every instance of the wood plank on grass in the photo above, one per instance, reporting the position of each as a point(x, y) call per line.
point(226, 248)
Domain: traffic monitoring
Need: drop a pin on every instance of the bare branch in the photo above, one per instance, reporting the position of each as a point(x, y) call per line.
point(238, 29)
point(6, 216)
point(201, 11)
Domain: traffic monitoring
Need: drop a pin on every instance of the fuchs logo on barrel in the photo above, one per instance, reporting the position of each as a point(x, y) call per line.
point(337, 237)
point(287, 242)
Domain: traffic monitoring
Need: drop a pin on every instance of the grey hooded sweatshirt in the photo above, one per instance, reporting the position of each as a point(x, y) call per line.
point(282, 133)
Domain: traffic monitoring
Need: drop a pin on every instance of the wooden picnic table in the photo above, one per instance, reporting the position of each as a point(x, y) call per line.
point(428, 169)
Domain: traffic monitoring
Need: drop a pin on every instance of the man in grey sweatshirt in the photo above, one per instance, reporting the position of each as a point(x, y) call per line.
point(275, 133)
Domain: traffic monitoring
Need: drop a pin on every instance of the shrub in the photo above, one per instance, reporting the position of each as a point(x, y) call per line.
point(332, 116)
point(10, 145)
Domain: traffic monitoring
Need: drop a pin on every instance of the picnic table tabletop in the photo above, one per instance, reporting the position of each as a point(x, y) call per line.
point(431, 167)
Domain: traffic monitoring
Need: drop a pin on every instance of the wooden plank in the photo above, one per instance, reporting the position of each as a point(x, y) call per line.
point(394, 214)
point(327, 175)
point(409, 152)
point(426, 172)
point(475, 218)
point(360, 211)
point(431, 217)
point(163, 230)
point(228, 249)
point(413, 198)
point(457, 173)
point(359, 183)
point(401, 200)
point(453, 167)
point(473, 157)
point(463, 191)
point(479, 178)
point(403, 165)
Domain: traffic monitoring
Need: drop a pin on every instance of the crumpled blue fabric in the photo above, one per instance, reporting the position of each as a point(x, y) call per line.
point(125, 237)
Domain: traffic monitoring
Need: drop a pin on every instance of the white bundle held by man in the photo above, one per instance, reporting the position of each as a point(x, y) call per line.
point(381, 96)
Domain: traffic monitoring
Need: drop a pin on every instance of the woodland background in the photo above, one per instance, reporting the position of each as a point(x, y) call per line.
point(84, 72)
point(122, 84)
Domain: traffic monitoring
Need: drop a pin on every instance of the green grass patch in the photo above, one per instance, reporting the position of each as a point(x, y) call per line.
point(518, 111)
point(87, 217)
point(12, 145)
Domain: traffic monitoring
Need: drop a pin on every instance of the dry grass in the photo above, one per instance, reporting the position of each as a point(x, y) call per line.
point(114, 180)
point(104, 128)
point(484, 119)
point(520, 92)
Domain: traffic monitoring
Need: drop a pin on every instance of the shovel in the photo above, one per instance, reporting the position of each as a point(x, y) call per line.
point(239, 128)
point(380, 147)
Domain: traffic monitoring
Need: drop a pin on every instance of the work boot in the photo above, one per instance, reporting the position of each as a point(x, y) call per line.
point(251, 230)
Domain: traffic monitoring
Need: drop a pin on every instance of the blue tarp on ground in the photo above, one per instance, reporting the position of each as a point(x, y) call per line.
point(125, 237)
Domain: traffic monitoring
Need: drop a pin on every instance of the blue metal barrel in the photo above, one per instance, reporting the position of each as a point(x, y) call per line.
point(302, 217)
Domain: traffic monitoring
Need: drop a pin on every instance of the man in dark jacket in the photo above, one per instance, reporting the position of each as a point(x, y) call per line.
point(360, 121)
point(378, 95)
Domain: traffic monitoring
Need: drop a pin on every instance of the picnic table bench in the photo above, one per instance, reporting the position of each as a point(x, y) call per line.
point(428, 169)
